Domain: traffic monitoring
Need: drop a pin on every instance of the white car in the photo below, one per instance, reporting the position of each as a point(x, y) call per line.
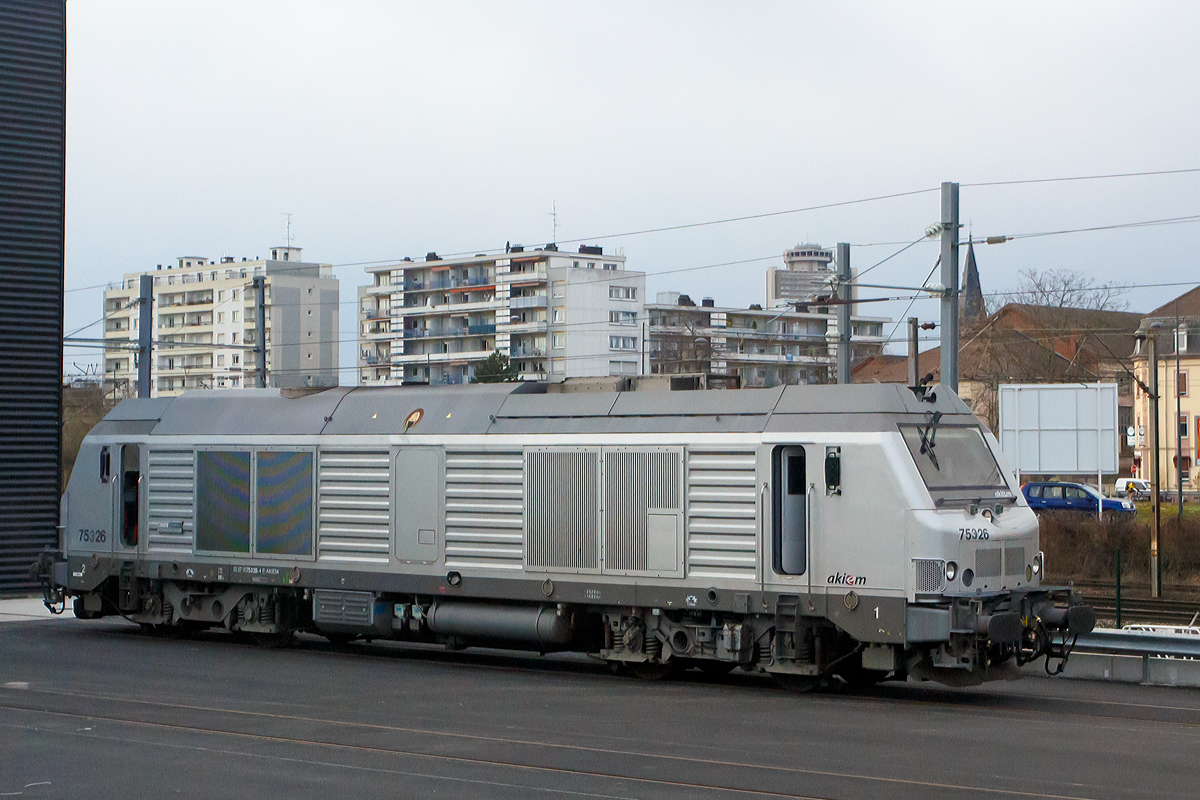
point(1136, 488)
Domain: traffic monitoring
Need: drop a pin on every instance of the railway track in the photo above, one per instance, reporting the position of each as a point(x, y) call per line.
point(1180, 607)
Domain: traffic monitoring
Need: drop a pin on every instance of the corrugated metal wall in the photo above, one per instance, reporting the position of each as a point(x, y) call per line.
point(33, 43)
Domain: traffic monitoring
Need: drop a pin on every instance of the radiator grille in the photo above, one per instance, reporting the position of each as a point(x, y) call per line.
point(353, 506)
point(1014, 560)
point(987, 563)
point(484, 509)
point(333, 607)
point(722, 524)
point(930, 575)
point(634, 483)
point(563, 508)
point(170, 493)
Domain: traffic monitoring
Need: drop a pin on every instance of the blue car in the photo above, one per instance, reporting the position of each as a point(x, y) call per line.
point(1056, 496)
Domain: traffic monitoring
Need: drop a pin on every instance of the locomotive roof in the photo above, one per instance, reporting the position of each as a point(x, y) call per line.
point(507, 408)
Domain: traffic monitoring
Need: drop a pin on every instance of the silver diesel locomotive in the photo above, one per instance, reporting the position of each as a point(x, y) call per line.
point(806, 531)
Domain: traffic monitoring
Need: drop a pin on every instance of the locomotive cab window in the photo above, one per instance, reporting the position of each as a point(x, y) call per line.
point(789, 499)
point(131, 459)
point(955, 461)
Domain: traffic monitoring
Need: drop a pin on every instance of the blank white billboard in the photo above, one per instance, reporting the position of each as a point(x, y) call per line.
point(1060, 428)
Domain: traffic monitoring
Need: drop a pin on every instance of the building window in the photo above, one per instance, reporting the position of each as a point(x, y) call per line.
point(235, 316)
point(220, 338)
point(622, 293)
point(235, 381)
point(560, 289)
point(622, 343)
point(560, 314)
point(558, 365)
point(575, 264)
point(221, 360)
point(1183, 426)
point(560, 341)
point(235, 292)
point(610, 266)
point(1181, 383)
point(622, 317)
point(220, 316)
point(622, 368)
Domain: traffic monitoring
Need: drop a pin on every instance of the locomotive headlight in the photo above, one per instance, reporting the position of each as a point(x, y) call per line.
point(951, 571)
point(1037, 564)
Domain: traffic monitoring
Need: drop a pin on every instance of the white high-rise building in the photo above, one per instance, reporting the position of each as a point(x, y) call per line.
point(555, 314)
point(204, 315)
point(807, 272)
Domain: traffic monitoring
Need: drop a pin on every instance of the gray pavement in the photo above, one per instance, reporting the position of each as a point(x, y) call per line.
point(100, 709)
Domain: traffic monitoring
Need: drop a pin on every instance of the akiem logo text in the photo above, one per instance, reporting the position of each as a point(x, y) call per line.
point(846, 579)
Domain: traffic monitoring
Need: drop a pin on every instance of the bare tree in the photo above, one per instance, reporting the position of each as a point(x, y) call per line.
point(1065, 288)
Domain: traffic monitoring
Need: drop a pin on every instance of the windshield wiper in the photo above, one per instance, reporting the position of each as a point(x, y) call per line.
point(927, 437)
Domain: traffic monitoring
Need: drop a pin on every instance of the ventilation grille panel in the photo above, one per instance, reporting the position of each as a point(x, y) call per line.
point(1014, 560)
point(484, 509)
point(170, 493)
point(930, 575)
point(333, 607)
point(634, 483)
point(563, 509)
point(354, 506)
point(987, 563)
point(722, 514)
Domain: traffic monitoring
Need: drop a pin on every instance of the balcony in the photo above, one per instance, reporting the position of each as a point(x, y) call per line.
point(531, 276)
point(538, 301)
point(525, 352)
point(376, 313)
point(479, 330)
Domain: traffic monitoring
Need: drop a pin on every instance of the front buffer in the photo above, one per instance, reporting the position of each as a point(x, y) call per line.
point(966, 641)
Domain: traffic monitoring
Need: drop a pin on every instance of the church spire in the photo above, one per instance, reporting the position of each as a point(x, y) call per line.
point(971, 305)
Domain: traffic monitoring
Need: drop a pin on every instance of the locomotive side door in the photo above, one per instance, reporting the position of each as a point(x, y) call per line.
point(127, 486)
point(791, 498)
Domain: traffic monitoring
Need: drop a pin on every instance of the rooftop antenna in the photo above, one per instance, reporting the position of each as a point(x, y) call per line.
point(289, 227)
point(554, 217)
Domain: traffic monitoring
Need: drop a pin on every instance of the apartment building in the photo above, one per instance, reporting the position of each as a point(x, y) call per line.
point(204, 315)
point(1176, 328)
point(761, 347)
point(555, 314)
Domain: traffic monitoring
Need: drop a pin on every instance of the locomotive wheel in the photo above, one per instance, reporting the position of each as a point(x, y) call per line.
point(716, 669)
point(648, 671)
point(797, 684)
point(273, 641)
point(339, 639)
point(863, 678)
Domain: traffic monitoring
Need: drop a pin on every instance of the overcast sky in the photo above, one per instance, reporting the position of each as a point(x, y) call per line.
point(392, 129)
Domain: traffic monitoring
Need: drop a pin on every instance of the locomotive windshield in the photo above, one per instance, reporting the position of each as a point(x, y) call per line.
point(953, 457)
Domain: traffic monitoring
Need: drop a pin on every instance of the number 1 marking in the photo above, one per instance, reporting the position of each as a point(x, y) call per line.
point(876, 612)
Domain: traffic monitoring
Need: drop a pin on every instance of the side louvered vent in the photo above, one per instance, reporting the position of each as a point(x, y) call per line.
point(170, 506)
point(930, 575)
point(637, 485)
point(353, 506)
point(484, 516)
point(987, 562)
point(722, 527)
point(563, 508)
point(1014, 560)
point(332, 607)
